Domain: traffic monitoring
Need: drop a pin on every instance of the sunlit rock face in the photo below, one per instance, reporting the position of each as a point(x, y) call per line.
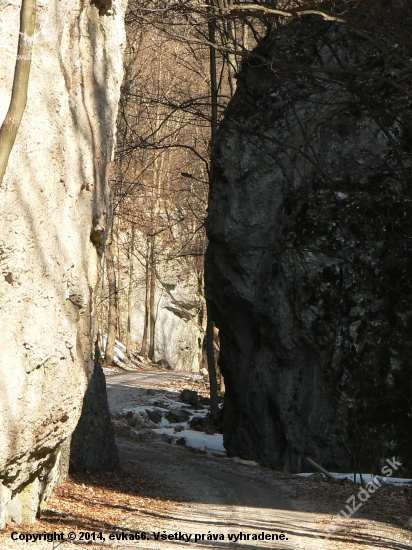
point(308, 269)
point(179, 317)
point(54, 210)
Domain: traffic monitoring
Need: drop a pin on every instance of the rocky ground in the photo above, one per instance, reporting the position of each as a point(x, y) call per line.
point(171, 406)
point(163, 488)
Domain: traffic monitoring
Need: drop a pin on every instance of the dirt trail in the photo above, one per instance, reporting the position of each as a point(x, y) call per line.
point(223, 497)
point(166, 488)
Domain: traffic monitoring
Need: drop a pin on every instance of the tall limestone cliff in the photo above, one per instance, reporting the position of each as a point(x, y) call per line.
point(54, 211)
point(308, 269)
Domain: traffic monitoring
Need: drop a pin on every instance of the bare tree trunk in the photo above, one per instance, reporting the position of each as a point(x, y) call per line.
point(245, 36)
point(129, 294)
point(229, 40)
point(10, 126)
point(214, 404)
point(231, 59)
point(118, 305)
point(157, 171)
point(152, 311)
point(210, 353)
point(112, 315)
point(213, 81)
point(143, 349)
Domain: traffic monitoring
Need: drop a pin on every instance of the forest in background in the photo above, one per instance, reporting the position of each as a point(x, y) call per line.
point(179, 75)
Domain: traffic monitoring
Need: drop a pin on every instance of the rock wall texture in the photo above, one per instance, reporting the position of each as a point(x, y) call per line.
point(178, 338)
point(179, 305)
point(54, 209)
point(309, 261)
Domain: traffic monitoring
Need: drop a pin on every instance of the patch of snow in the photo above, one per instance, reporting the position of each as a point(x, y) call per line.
point(367, 478)
point(119, 353)
point(121, 363)
point(120, 345)
point(194, 377)
point(197, 440)
point(109, 372)
point(342, 197)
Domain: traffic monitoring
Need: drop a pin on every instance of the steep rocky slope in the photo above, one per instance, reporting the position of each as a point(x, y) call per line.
point(309, 262)
point(54, 209)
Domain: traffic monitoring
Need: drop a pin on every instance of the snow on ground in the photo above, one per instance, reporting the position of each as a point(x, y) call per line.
point(176, 430)
point(366, 478)
point(121, 360)
point(134, 397)
point(141, 401)
point(198, 440)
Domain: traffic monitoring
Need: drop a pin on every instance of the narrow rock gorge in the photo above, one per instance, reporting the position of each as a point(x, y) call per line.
point(55, 210)
point(309, 260)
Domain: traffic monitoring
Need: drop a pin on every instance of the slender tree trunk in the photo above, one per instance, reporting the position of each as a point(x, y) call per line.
point(210, 354)
point(231, 58)
point(11, 123)
point(214, 404)
point(143, 349)
point(118, 305)
point(213, 80)
point(129, 294)
point(157, 170)
point(112, 315)
point(245, 36)
point(152, 311)
point(229, 40)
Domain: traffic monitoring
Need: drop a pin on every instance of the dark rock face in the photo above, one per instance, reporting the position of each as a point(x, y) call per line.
point(308, 269)
point(93, 447)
